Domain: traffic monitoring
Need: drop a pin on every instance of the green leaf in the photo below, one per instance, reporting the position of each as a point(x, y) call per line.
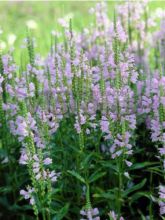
point(141, 215)
point(110, 165)
point(157, 170)
point(138, 195)
point(85, 162)
point(62, 212)
point(75, 174)
point(54, 191)
point(134, 188)
point(5, 189)
point(96, 176)
point(137, 166)
point(108, 195)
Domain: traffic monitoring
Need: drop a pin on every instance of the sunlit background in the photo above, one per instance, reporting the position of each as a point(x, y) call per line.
point(44, 18)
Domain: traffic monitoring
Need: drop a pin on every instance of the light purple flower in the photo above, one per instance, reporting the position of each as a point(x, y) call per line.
point(47, 161)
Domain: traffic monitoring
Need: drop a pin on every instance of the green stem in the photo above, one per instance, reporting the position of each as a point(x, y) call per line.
point(120, 185)
point(151, 191)
point(48, 215)
point(43, 215)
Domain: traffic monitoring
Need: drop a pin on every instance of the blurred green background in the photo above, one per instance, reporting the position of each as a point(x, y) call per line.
point(43, 15)
point(14, 17)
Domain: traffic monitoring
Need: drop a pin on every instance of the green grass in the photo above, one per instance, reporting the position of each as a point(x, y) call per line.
point(14, 15)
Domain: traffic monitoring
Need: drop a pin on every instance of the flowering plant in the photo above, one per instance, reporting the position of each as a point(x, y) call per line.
point(83, 130)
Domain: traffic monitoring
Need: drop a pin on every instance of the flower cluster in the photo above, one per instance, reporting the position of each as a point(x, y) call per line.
point(95, 88)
